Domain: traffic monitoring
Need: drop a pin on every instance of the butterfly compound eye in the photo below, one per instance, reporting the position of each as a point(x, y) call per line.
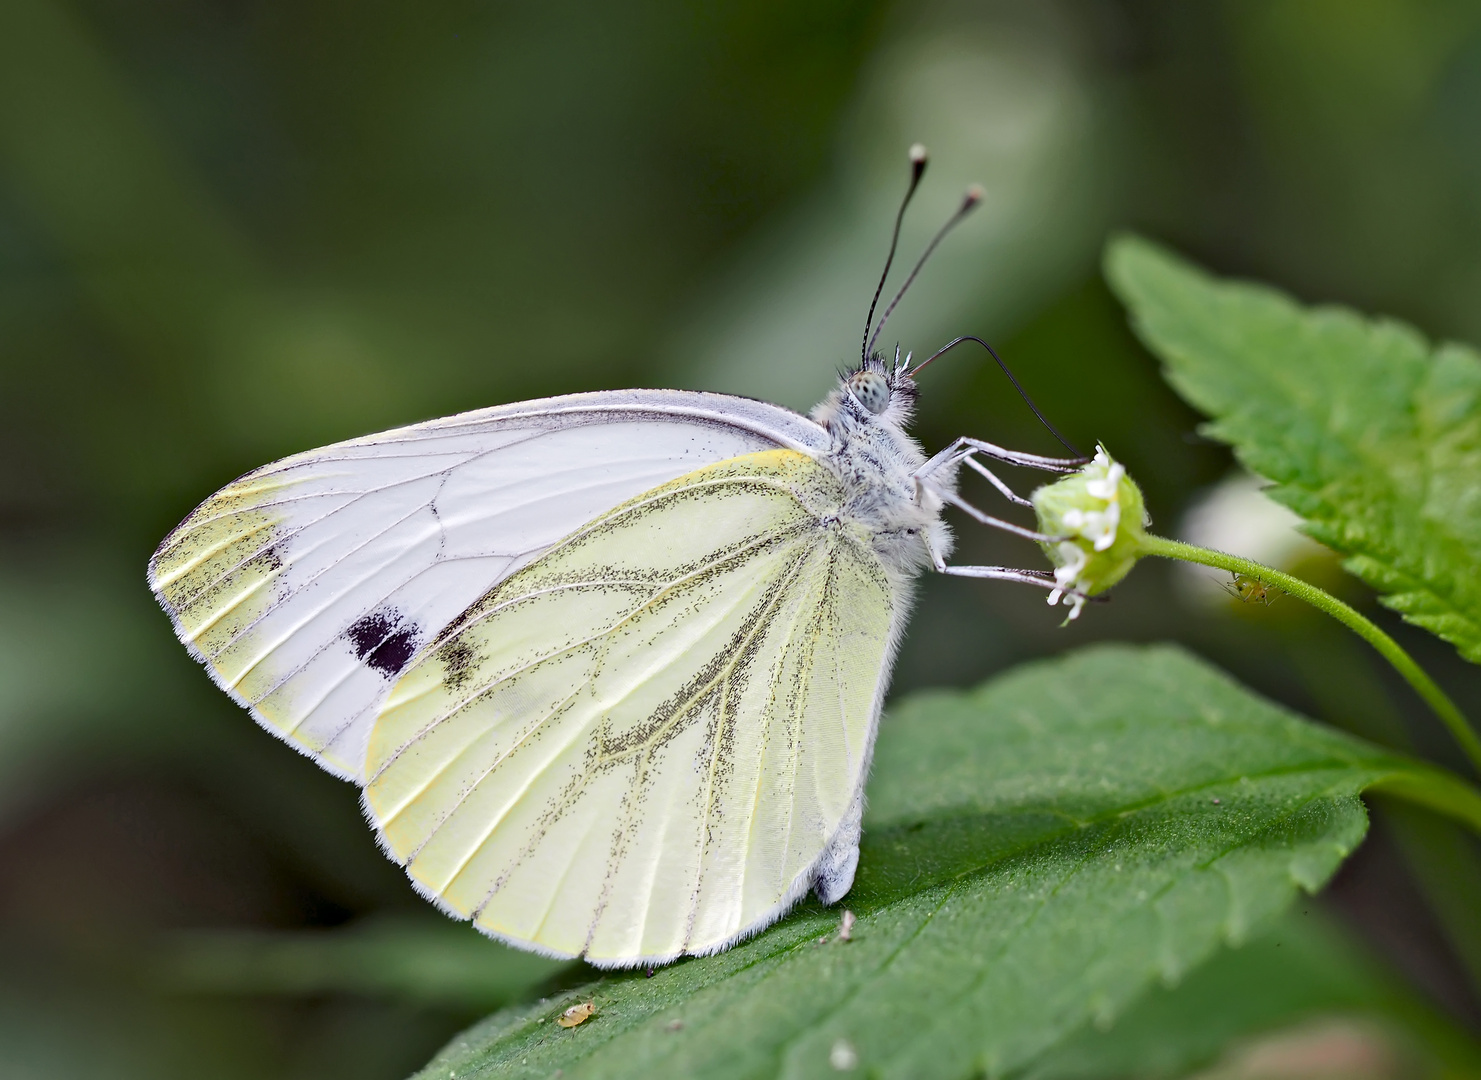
point(870, 390)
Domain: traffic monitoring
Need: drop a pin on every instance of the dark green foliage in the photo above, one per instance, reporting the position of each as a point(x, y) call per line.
point(1301, 971)
point(428, 960)
point(233, 231)
point(1039, 853)
point(1369, 433)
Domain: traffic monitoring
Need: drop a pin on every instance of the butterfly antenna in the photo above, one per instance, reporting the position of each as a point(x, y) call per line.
point(1011, 378)
point(969, 203)
point(917, 169)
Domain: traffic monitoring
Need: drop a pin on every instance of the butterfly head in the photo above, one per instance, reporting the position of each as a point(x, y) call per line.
point(875, 392)
point(871, 390)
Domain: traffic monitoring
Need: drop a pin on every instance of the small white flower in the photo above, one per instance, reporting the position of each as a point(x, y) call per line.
point(1095, 517)
point(1097, 526)
point(1107, 486)
point(1072, 560)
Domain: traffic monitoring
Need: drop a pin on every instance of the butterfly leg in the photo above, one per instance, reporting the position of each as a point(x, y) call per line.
point(948, 496)
point(964, 446)
point(964, 451)
point(1041, 578)
point(1017, 457)
point(982, 470)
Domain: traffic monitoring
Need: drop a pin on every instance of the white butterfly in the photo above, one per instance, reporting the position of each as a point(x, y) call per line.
point(608, 666)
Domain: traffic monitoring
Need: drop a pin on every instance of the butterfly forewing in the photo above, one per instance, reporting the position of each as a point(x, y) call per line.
point(640, 744)
point(306, 586)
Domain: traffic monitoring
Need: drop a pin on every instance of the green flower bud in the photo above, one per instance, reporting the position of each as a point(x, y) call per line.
point(1100, 517)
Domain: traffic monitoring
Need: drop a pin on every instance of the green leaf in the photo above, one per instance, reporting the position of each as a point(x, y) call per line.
point(1039, 852)
point(1301, 971)
point(1369, 433)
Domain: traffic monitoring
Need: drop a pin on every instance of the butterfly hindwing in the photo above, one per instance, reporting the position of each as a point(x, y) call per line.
point(641, 744)
point(306, 586)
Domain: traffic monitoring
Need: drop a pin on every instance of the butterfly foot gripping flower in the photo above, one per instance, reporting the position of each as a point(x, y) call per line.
point(1098, 520)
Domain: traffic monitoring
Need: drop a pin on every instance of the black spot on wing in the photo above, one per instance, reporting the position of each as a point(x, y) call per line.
point(459, 660)
point(384, 640)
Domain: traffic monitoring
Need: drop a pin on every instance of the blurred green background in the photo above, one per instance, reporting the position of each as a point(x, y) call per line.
point(234, 230)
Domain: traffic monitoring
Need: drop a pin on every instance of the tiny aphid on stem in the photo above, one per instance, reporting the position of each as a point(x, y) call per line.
point(1251, 590)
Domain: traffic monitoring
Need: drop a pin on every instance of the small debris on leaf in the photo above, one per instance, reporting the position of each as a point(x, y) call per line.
point(846, 926)
point(674, 1025)
point(843, 1057)
point(576, 1014)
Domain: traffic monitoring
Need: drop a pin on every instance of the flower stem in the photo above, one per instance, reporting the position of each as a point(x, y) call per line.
point(1403, 663)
